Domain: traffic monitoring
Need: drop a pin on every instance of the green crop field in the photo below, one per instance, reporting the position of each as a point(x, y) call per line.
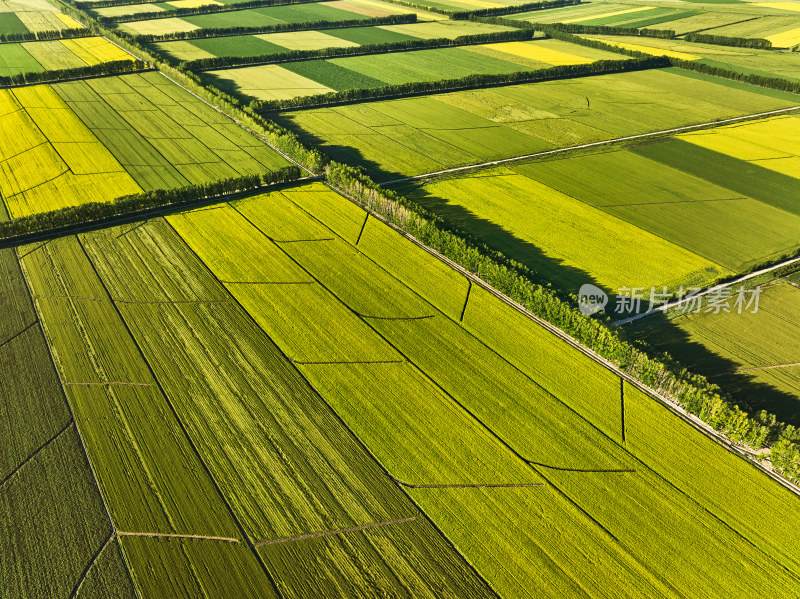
point(279, 43)
point(297, 79)
point(353, 350)
point(407, 137)
point(749, 355)
point(744, 60)
point(35, 57)
point(336, 10)
point(133, 133)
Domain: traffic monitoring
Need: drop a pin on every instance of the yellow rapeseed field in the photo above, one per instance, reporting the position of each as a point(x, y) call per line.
point(53, 160)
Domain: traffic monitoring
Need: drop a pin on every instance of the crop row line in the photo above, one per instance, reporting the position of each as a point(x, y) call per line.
point(348, 362)
point(338, 531)
point(266, 282)
point(123, 301)
point(467, 485)
point(158, 535)
point(108, 383)
point(586, 470)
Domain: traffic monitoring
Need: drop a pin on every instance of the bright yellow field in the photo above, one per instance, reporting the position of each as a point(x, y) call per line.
point(52, 161)
point(793, 6)
point(770, 143)
point(94, 50)
point(611, 251)
point(787, 39)
point(613, 13)
point(535, 52)
point(647, 49)
point(68, 21)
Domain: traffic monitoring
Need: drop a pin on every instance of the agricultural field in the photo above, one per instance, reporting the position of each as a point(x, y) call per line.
point(333, 10)
point(750, 356)
point(667, 185)
point(310, 77)
point(275, 44)
point(33, 16)
point(783, 31)
point(35, 57)
point(312, 408)
point(47, 490)
point(743, 60)
point(406, 137)
point(278, 391)
point(99, 139)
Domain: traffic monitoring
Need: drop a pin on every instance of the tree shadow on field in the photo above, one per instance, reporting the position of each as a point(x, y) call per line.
point(663, 335)
point(547, 271)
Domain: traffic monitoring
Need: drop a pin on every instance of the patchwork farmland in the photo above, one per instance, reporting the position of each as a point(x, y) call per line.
point(290, 297)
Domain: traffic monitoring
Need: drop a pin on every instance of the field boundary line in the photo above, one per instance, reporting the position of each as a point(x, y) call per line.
point(175, 536)
point(706, 291)
point(338, 531)
point(740, 370)
point(467, 485)
point(266, 282)
point(595, 144)
point(367, 316)
point(345, 363)
point(22, 332)
point(41, 448)
point(301, 240)
point(665, 401)
point(586, 470)
point(103, 383)
point(76, 589)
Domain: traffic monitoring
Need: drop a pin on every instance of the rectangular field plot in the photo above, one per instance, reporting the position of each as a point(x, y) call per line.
point(306, 78)
point(15, 59)
point(553, 233)
point(418, 135)
point(164, 136)
point(744, 60)
point(721, 225)
point(783, 31)
point(278, 43)
point(54, 161)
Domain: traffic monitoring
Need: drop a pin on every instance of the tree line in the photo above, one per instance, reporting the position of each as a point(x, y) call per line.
point(507, 10)
point(131, 204)
point(469, 82)
point(606, 30)
point(659, 372)
point(116, 67)
point(722, 40)
point(219, 62)
point(277, 28)
point(91, 4)
point(38, 36)
point(198, 10)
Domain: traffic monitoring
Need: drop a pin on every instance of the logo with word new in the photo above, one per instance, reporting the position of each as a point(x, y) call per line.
point(591, 299)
